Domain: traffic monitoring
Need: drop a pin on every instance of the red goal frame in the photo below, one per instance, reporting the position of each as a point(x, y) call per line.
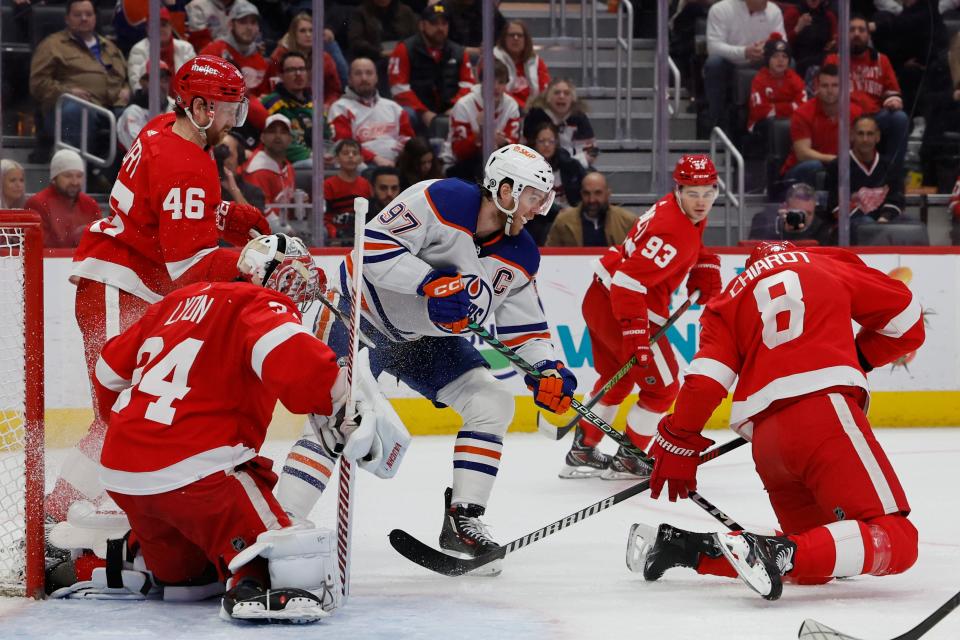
point(34, 475)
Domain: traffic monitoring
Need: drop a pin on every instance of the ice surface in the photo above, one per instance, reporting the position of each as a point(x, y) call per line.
point(574, 584)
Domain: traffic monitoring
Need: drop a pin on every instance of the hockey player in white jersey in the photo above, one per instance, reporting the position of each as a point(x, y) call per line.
point(441, 254)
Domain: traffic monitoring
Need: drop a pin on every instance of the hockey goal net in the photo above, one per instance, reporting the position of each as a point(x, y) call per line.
point(21, 404)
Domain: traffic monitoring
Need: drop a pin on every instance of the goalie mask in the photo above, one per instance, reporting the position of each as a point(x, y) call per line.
point(523, 167)
point(282, 263)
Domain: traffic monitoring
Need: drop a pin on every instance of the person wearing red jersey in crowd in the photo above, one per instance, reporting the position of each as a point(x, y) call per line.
point(207, 20)
point(239, 46)
point(528, 73)
point(379, 124)
point(65, 210)
point(628, 300)
point(875, 89)
point(813, 129)
point(167, 220)
point(776, 90)
point(268, 168)
point(463, 150)
point(339, 191)
point(781, 333)
point(182, 458)
point(428, 73)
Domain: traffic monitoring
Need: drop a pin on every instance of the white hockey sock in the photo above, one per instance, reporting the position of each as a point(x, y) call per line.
point(643, 422)
point(305, 475)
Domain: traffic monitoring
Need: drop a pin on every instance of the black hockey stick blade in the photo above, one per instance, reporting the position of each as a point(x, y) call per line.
point(813, 630)
point(438, 561)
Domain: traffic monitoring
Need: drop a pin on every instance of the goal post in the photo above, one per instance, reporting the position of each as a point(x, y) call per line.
point(21, 405)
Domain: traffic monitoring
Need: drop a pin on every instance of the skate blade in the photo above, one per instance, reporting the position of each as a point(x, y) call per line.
point(292, 613)
point(573, 473)
point(736, 550)
point(489, 570)
point(639, 542)
point(610, 474)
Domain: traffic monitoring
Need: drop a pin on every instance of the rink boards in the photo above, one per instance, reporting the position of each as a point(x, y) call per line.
point(923, 390)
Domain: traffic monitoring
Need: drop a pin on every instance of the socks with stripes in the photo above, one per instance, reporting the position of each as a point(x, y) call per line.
point(306, 473)
point(476, 460)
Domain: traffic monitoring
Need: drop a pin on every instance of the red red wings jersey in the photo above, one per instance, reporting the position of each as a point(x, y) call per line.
point(783, 327)
point(190, 388)
point(772, 97)
point(653, 260)
point(163, 230)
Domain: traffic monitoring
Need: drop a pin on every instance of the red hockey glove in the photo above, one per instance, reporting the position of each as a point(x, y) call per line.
point(676, 457)
point(705, 277)
point(554, 390)
point(636, 338)
point(448, 303)
point(235, 220)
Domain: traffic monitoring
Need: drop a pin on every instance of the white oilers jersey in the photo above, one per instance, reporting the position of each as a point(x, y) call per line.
point(431, 226)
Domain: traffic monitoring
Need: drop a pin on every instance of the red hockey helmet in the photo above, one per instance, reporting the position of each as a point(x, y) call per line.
point(213, 79)
point(695, 171)
point(765, 249)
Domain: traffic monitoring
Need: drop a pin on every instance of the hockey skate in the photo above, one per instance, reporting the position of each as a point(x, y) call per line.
point(251, 602)
point(583, 461)
point(626, 466)
point(652, 551)
point(463, 534)
point(760, 561)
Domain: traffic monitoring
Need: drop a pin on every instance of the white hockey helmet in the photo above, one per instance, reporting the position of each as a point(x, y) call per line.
point(524, 167)
point(283, 263)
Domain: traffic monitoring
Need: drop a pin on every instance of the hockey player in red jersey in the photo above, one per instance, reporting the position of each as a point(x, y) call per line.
point(190, 390)
point(629, 299)
point(781, 331)
point(167, 219)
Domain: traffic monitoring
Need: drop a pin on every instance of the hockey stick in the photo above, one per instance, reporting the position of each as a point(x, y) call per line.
point(343, 319)
point(557, 433)
point(346, 493)
point(813, 630)
point(597, 421)
point(429, 558)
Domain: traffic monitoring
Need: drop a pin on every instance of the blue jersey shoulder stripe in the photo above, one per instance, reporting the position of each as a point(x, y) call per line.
point(377, 235)
point(456, 203)
point(523, 328)
point(384, 256)
point(520, 251)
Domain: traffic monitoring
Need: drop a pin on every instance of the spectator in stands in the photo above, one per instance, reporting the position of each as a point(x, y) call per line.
point(340, 190)
point(385, 186)
point(82, 63)
point(377, 27)
point(940, 149)
point(239, 46)
point(776, 90)
point(136, 116)
point(736, 33)
point(559, 106)
point(292, 99)
point(913, 40)
point(13, 186)
point(299, 38)
point(418, 162)
point(65, 211)
point(529, 76)
point(794, 219)
point(173, 51)
point(268, 167)
point(463, 149)
point(813, 128)
point(130, 28)
point(874, 87)
point(207, 20)
point(380, 125)
point(594, 222)
point(567, 178)
point(811, 29)
point(466, 23)
point(230, 156)
point(429, 72)
point(876, 189)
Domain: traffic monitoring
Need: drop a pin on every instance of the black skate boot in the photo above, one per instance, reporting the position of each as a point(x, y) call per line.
point(251, 602)
point(464, 535)
point(626, 466)
point(583, 461)
point(760, 561)
point(652, 551)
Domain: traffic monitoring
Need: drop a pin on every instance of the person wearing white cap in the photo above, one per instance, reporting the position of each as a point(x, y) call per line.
point(239, 46)
point(268, 167)
point(64, 209)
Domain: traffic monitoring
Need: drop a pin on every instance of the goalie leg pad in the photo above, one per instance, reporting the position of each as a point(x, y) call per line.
point(486, 407)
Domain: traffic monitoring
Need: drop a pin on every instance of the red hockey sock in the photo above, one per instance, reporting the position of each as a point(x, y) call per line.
point(606, 412)
point(837, 549)
point(715, 567)
point(639, 441)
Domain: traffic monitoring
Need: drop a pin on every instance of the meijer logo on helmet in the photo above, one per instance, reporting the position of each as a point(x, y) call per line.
point(203, 68)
